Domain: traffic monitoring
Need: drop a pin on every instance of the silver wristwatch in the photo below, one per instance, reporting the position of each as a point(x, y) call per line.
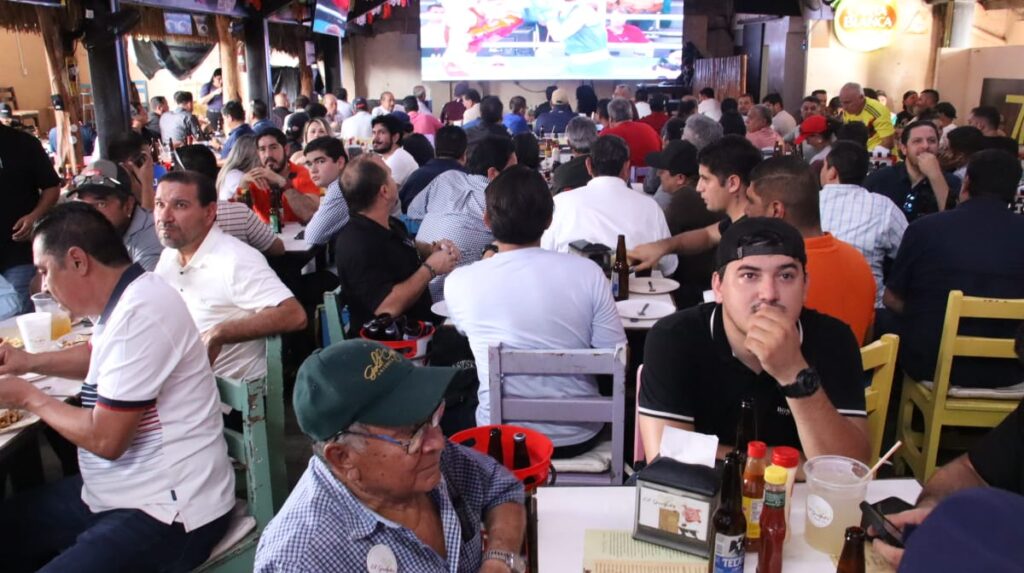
point(513, 560)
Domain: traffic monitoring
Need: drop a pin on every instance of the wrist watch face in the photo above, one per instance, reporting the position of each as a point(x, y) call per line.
point(807, 383)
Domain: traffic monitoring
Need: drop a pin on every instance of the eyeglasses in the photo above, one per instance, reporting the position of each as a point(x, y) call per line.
point(413, 444)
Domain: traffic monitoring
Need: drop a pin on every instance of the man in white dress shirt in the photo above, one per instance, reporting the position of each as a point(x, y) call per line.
point(871, 222)
point(231, 292)
point(357, 126)
point(548, 301)
point(607, 207)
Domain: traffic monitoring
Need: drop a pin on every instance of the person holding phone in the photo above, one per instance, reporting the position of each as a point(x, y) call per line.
point(952, 500)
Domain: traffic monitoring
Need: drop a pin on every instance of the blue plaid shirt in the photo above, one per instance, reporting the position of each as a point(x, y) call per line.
point(324, 528)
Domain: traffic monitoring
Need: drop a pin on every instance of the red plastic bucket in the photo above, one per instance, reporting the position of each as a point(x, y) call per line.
point(538, 445)
point(418, 350)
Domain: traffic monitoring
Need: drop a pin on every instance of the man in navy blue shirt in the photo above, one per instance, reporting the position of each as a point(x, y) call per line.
point(234, 126)
point(555, 120)
point(918, 185)
point(977, 248)
point(449, 153)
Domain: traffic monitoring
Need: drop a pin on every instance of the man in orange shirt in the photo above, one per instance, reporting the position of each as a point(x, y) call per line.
point(840, 279)
point(275, 174)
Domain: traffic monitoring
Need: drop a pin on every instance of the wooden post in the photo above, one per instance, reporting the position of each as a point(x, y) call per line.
point(66, 152)
point(228, 60)
point(305, 75)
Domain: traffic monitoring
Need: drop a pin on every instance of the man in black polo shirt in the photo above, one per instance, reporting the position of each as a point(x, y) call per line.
point(723, 177)
point(30, 188)
point(977, 248)
point(380, 267)
point(918, 185)
point(801, 368)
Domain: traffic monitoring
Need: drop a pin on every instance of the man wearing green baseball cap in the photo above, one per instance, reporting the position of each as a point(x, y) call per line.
point(386, 491)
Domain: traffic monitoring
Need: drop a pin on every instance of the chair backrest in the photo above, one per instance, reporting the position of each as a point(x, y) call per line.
point(7, 96)
point(250, 448)
point(333, 329)
point(275, 415)
point(639, 455)
point(505, 362)
point(879, 358)
point(954, 344)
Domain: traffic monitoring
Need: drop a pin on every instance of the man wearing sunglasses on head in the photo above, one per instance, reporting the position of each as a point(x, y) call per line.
point(105, 186)
point(385, 490)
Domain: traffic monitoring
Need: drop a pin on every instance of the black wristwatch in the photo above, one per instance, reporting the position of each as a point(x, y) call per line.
point(807, 382)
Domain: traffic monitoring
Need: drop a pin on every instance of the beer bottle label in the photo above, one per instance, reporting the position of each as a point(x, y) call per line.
point(729, 553)
point(615, 285)
point(752, 511)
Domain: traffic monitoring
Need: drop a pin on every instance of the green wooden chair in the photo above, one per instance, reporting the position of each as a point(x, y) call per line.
point(275, 420)
point(334, 330)
point(250, 451)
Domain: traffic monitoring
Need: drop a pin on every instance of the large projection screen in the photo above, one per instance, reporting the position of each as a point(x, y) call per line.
point(550, 39)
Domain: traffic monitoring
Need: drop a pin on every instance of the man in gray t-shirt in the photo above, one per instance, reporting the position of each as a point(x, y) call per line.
point(99, 185)
point(178, 124)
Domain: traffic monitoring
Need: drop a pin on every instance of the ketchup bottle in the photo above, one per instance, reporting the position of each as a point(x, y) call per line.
point(773, 521)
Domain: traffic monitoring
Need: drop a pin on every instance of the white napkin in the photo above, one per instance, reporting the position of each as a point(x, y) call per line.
point(689, 447)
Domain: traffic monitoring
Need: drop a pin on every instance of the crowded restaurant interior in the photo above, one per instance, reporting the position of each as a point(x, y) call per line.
point(763, 311)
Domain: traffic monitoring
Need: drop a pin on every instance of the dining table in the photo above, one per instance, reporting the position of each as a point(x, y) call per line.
point(562, 516)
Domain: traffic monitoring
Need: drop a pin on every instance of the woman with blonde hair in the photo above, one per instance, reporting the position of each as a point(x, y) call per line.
point(316, 127)
point(243, 157)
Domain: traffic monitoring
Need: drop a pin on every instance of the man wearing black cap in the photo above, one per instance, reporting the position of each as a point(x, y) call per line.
point(677, 168)
point(385, 490)
point(99, 185)
point(801, 368)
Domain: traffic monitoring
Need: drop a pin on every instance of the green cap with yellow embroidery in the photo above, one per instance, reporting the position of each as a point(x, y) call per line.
point(363, 381)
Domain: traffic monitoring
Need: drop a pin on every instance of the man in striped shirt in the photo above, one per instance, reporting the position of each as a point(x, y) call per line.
point(869, 222)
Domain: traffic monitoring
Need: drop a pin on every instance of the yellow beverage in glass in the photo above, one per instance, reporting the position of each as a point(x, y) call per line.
point(836, 486)
point(60, 325)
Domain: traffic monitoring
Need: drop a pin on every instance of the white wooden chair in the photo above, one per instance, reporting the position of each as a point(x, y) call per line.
point(506, 362)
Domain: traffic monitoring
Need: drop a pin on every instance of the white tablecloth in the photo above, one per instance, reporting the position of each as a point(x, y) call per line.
point(564, 513)
point(288, 235)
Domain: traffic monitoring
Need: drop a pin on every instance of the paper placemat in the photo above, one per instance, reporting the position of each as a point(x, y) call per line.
point(615, 551)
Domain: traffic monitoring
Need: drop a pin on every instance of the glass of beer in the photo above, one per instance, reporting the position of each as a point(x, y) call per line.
point(60, 319)
point(836, 486)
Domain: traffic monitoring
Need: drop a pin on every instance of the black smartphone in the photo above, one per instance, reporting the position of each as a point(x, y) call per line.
point(884, 528)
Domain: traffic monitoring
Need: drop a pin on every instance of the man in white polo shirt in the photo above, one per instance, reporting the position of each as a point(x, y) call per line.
point(231, 292)
point(156, 485)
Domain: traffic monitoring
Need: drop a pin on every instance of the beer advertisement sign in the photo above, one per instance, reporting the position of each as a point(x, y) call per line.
point(865, 25)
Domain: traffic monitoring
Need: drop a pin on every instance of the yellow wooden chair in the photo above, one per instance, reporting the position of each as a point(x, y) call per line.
point(937, 405)
point(879, 358)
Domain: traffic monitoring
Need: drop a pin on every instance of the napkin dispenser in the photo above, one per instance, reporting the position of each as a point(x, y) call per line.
point(674, 505)
point(600, 254)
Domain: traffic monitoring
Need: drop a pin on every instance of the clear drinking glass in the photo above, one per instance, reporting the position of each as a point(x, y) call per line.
point(836, 486)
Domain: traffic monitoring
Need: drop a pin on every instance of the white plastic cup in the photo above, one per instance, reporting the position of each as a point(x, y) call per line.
point(836, 486)
point(35, 331)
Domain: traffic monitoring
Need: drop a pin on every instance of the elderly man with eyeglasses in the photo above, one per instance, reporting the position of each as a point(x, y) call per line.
point(385, 490)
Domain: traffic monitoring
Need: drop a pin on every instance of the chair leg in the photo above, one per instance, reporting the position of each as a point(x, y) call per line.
point(904, 415)
point(930, 448)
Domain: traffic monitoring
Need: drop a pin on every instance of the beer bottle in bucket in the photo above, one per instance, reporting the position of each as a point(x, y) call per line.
point(520, 455)
point(494, 448)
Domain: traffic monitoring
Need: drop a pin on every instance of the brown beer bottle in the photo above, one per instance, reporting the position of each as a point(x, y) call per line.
point(852, 558)
point(746, 429)
point(620, 271)
point(520, 455)
point(729, 527)
point(494, 448)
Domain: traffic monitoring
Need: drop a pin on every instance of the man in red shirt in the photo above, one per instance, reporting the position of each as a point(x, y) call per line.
point(658, 118)
point(640, 137)
point(299, 195)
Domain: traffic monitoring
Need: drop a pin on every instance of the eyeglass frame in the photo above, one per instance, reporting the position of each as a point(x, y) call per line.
point(434, 421)
point(97, 179)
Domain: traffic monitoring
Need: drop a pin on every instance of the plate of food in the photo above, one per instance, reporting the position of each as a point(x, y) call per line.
point(652, 285)
point(12, 419)
point(13, 341)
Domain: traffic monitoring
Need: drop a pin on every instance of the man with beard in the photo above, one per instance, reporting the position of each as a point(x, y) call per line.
point(918, 185)
point(387, 142)
point(300, 196)
point(756, 340)
point(234, 297)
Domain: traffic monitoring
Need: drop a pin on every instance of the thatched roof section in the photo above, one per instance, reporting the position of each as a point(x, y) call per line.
point(19, 17)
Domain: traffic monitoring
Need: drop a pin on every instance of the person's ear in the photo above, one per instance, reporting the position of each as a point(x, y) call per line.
point(340, 457)
point(487, 219)
point(590, 167)
point(733, 183)
point(716, 286)
point(777, 210)
point(77, 260)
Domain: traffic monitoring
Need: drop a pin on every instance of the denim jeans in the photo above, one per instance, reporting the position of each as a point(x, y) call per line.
point(20, 277)
point(51, 525)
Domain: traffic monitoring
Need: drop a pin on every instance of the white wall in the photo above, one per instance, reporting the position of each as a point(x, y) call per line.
point(961, 73)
